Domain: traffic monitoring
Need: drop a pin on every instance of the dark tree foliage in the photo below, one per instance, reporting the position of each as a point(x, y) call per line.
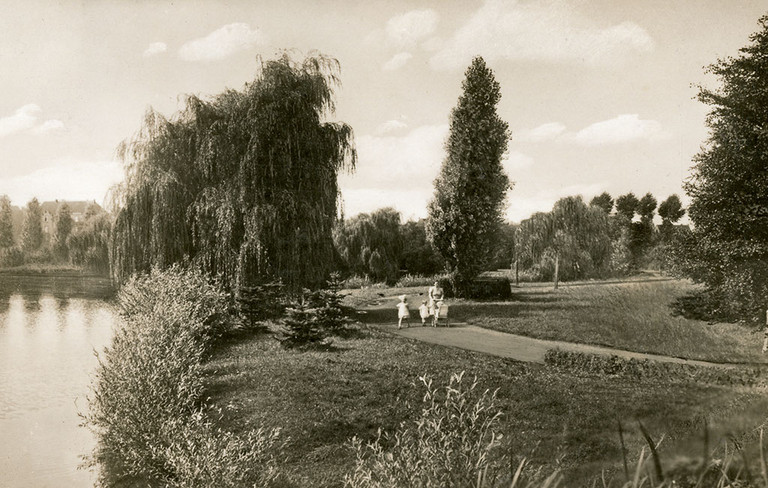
point(504, 255)
point(643, 232)
point(466, 211)
point(88, 244)
point(370, 245)
point(259, 303)
point(32, 235)
point(6, 223)
point(603, 201)
point(332, 314)
point(302, 324)
point(63, 230)
point(729, 184)
point(576, 234)
point(243, 183)
point(626, 206)
point(646, 207)
point(671, 211)
point(418, 256)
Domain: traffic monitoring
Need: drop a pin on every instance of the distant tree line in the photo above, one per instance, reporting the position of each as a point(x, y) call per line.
point(606, 237)
point(84, 243)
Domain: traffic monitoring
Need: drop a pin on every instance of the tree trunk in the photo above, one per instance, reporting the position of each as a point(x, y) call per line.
point(557, 270)
point(517, 273)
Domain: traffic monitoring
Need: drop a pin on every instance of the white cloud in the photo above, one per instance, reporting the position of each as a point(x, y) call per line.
point(409, 28)
point(624, 128)
point(516, 161)
point(155, 48)
point(433, 44)
point(222, 43)
point(395, 171)
point(620, 129)
point(397, 61)
point(22, 119)
point(390, 126)
point(65, 180)
point(49, 126)
point(545, 132)
point(539, 31)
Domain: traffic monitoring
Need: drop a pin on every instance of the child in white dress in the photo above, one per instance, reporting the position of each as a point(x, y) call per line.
point(424, 313)
point(403, 313)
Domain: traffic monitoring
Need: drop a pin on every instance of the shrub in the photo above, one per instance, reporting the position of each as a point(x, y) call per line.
point(453, 443)
point(409, 280)
point(491, 288)
point(581, 363)
point(146, 405)
point(357, 282)
point(13, 256)
point(481, 288)
point(42, 255)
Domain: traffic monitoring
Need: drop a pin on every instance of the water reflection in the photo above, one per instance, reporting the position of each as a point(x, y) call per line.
point(49, 329)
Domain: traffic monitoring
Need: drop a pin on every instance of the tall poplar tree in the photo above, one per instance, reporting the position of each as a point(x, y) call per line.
point(32, 235)
point(465, 214)
point(64, 225)
point(729, 184)
point(6, 223)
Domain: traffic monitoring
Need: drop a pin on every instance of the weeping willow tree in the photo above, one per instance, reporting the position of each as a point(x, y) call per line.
point(371, 245)
point(243, 184)
point(574, 235)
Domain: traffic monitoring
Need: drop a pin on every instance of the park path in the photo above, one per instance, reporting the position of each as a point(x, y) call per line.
point(522, 348)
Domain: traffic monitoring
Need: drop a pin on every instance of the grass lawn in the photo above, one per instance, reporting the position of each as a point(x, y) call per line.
point(634, 316)
point(321, 399)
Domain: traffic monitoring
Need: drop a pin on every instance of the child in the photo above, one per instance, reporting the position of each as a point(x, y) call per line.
point(403, 313)
point(424, 313)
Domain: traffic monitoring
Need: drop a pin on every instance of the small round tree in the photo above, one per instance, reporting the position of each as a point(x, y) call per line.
point(465, 214)
point(603, 201)
point(670, 210)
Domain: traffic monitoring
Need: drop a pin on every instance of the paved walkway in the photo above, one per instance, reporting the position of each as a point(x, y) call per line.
point(523, 348)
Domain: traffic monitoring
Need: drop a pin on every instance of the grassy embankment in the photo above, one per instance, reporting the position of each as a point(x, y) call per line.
point(634, 316)
point(558, 419)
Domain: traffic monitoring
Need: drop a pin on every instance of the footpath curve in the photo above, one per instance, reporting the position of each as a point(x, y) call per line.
point(526, 349)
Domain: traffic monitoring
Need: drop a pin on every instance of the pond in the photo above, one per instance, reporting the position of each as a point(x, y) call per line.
point(49, 329)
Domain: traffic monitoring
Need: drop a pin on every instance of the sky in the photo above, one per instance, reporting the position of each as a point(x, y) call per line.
point(599, 95)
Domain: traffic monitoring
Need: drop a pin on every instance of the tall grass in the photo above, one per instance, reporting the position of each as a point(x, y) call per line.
point(454, 443)
point(146, 405)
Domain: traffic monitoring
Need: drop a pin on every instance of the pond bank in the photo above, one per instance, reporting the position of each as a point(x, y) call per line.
point(50, 270)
